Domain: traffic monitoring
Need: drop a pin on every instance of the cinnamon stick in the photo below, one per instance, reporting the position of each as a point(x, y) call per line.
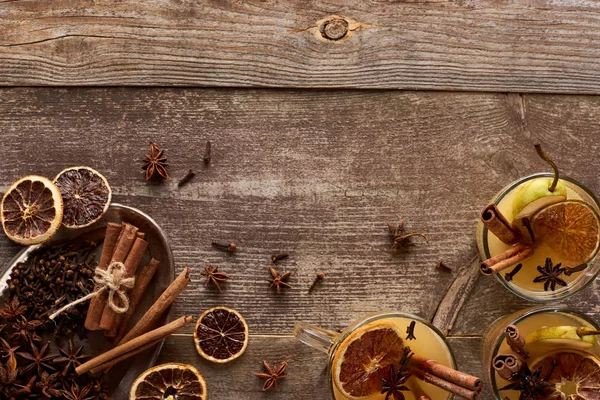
point(507, 259)
point(450, 374)
point(496, 223)
point(446, 385)
point(131, 264)
point(516, 341)
point(506, 365)
point(129, 347)
point(96, 307)
point(141, 284)
point(159, 307)
point(106, 366)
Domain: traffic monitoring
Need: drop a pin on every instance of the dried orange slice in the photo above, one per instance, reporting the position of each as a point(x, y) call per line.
point(571, 228)
point(86, 195)
point(169, 381)
point(576, 374)
point(31, 210)
point(364, 357)
point(221, 335)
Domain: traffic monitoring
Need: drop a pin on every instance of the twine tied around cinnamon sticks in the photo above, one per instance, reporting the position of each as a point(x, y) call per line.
point(111, 280)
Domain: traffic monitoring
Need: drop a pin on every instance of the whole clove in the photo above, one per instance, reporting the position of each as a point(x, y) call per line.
point(318, 279)
point(230, 248)
point(188, 177)
point(278, 257)
point(207, 153)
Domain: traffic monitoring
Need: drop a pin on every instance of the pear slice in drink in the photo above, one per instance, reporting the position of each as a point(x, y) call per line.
point(560, 337)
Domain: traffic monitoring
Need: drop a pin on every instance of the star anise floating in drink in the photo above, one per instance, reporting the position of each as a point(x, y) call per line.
point(272, 374)
point(214, 276)
point(550, 275)
point(531, 384)
point(394, 383)
point(155, 163)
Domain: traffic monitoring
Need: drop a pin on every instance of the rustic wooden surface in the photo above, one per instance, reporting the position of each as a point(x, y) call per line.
point(315, 174)
point(480, 45)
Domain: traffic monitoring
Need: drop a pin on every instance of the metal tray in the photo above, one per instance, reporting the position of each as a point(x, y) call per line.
point(122, 376)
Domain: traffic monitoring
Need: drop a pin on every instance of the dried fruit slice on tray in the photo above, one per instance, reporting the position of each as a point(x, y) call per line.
point(221, 335)
point(31, 210)
point(169, 381)
point(364, 357)
point(86, 196)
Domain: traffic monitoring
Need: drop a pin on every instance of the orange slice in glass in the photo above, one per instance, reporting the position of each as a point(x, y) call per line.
point(576, 375)
point(169, 381)
point(31, 210)
point(571, 228)
point(364, 357)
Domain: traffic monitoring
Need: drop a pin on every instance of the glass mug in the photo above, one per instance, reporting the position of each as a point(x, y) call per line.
point(429, 343)
point(527, 322)
point(522, 283)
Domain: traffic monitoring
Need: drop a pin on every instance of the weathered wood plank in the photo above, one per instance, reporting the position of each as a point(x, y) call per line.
point(521, 46)
point(307, 375)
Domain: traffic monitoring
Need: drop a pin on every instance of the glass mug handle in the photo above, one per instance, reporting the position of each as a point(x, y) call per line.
point(315, 337)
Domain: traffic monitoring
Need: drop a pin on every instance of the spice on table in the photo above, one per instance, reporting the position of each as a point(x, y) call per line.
point(272, 374)
point(214, 276)
point(441, 266)
point(400, 237)
point(155, 163)
point(37, 358)
point(207, 153)
point(275, 258)
point(318, 279)
point(279, 281)
point(230, 248)
point(72, 358)
point(188, 177)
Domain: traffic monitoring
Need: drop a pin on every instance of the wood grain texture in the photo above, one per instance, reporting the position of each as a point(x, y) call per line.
point(516, 46)
point(316, 175)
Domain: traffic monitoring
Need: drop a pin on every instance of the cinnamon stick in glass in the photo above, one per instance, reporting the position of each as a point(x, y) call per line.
point(506, 365)
point(507, 259)
point(446, 385)
point(113, 231)
point(141, 284)
point(131, 346)
point(450, 374)
point(496, 223)
point(159, 307)
point(516, 341)
point(131, 264)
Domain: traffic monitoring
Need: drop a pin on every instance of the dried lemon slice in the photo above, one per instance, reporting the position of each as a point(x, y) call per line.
point(221, 335)
point(169, 381)
point(363, 358)
point(571, 228)
point(31, 210)
point(576, 374)
point(86, 195)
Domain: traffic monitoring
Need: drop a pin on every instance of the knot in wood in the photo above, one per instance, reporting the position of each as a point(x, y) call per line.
point(334, 29)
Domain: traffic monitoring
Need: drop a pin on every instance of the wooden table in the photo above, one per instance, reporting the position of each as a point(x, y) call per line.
point(301, 163)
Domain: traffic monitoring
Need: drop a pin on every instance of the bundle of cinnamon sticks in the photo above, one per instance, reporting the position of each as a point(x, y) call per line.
point(449, 379)
point(509, 234)
point(123, 243)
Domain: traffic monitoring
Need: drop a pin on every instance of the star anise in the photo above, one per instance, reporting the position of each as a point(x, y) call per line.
point(38, 358)
point(24, 330)
point(393, 384)
point(19, 390)
point(400, 237)
point(6, 350)
point(13, 310)
point(77, 393)
point(279, 281)
point(71, 358)
point(531, 385)
point(213, 277)
point(550, 275)
point(48, 385)
point(272, 375)
point(155, 163)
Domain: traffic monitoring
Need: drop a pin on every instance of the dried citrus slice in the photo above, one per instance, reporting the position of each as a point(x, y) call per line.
point(221, 335)
point(570, 228)
point(576, 374)
point(169, 381)
point(86, 195)
point(363, 358)
point(31, 210)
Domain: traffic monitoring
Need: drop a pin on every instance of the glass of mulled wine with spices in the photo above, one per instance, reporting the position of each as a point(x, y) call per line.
point(390, 355)
point(543, 353)
point(540, 236)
